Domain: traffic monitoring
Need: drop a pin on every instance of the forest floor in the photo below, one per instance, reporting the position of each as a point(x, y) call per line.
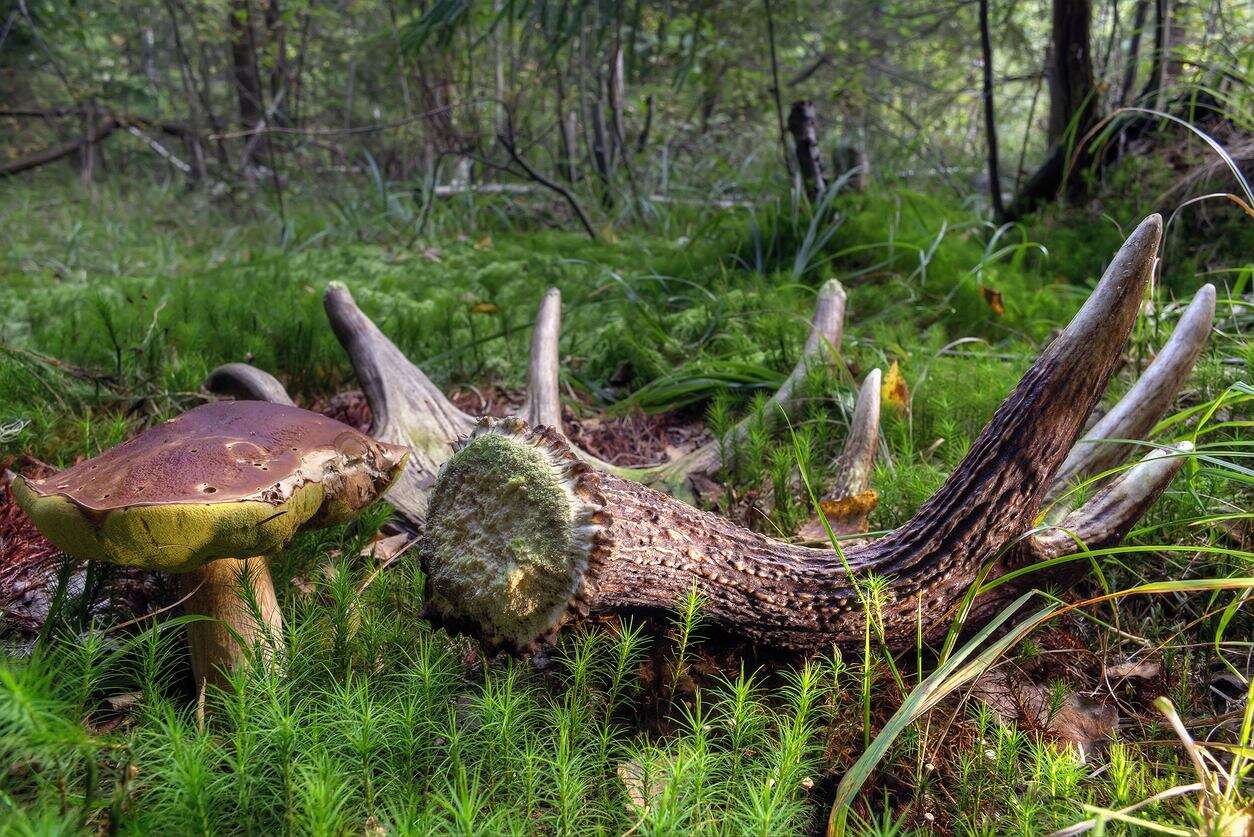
point(114, 307)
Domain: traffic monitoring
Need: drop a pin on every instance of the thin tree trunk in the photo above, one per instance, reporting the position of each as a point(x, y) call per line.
point(775, 88)
point(803, 125)
point(990, 121)
point(245, 75)
point(1134, 51)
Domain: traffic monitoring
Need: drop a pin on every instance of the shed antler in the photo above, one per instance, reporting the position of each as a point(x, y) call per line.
point(522, 536)
point(409, 409)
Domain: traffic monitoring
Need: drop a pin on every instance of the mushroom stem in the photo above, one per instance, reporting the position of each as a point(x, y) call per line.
point(221, 590)
point(523, 536)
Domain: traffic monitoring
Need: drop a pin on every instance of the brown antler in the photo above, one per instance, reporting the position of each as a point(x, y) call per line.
point(523, 537)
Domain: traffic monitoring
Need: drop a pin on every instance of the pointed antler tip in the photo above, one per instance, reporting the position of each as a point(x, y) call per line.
point(336, 288)
point(831, 288)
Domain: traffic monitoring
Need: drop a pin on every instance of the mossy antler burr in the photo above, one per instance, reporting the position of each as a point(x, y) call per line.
point(523, 537)
point(208, 495)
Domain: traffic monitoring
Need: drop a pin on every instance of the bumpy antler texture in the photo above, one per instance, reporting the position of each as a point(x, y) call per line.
point(522, 536)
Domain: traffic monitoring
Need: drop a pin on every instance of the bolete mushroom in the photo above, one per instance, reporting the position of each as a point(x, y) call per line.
point(208, 495)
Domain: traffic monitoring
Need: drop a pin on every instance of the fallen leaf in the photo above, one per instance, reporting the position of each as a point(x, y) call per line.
point(1140, 669)
point(706, 488)
point(994, 300)
point(893, 391)
point(433, 254)
point(124, 701)
point(484, 243)
point(484, 308)
point(1080, 721)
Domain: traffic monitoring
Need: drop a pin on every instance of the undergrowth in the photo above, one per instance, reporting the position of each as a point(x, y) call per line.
point(381, 725)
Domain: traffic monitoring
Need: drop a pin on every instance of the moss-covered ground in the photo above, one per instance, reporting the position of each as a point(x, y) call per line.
point(115, 305)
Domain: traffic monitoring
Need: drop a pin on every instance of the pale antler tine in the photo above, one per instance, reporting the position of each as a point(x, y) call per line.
point(407, 408)
point(1112, 512)
point(826, 329)
point(1144, 404)
point(543, 405)
point(857, 459)
point(849, 500)
point(246, 383)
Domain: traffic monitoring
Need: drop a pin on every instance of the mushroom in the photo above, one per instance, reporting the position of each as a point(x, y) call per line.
point(523, 536)
point(208, 495)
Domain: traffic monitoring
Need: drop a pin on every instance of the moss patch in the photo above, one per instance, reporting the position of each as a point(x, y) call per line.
point(500, 546)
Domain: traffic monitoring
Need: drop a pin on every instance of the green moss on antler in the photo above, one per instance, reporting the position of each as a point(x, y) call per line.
point(506, 540)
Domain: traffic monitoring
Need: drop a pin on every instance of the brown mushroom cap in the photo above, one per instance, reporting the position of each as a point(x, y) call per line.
point(227, 479)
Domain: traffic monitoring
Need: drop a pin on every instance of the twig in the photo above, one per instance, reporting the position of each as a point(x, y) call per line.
point(508, 144)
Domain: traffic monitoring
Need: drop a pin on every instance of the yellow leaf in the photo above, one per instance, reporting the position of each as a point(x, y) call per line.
point(893, 391)
point(484, 308)
point(484, 243)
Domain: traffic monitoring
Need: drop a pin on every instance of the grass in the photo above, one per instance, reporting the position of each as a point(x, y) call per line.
point(113, 308)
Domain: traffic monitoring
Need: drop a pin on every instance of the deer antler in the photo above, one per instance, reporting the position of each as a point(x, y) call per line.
point(523, 537)
point(409, 409)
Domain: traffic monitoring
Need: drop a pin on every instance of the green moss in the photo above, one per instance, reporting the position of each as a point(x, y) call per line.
point(502, 545)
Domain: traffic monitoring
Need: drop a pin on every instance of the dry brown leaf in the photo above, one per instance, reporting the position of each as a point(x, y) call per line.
point(1080, 721)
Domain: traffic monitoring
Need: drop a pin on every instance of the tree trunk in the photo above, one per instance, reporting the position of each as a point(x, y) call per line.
point(1134, 51)
point(990, 121)
point(1071, 87)
point(1072, 107)
point(244, 73)
point(803, 125)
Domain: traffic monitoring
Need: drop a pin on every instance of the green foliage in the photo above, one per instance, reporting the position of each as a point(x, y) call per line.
point(381, 723)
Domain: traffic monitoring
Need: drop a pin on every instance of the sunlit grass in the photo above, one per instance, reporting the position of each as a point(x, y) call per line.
point(380, 723)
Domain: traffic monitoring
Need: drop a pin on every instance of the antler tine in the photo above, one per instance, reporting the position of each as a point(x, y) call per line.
point(246, 383)
point(857, 459)
point(823, 342)
point(849, 499)
point(543, 405)
point(1141, 408)
point(1109, 515)
point(408, 409)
